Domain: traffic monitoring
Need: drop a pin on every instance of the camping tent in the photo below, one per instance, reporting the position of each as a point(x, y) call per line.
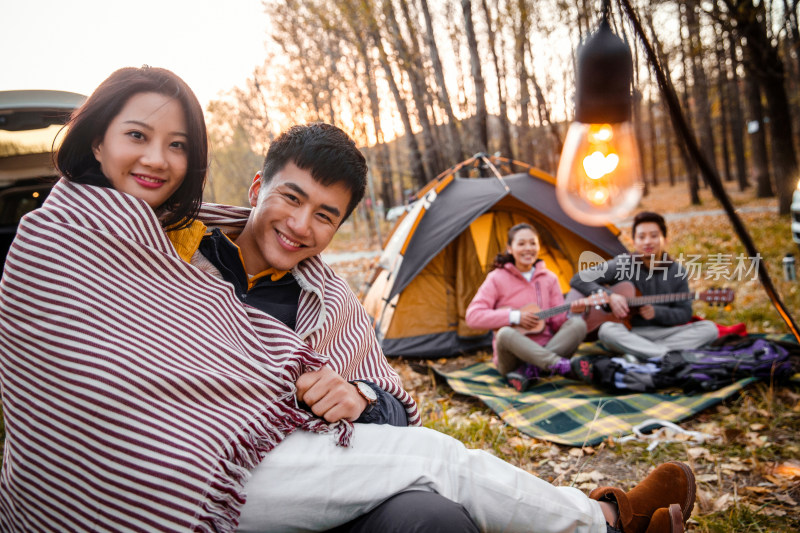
point(441, 250)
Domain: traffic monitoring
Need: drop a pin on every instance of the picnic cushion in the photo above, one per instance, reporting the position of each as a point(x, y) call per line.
point(573, 413)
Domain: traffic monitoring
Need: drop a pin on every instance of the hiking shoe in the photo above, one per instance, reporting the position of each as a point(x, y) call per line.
point(523, 377)
point(583, 367)
point(670, 483)
point(666, 520)
point(561, 367)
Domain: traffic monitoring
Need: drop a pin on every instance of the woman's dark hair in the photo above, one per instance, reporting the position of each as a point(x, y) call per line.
point(502, 259)
point(88, 124)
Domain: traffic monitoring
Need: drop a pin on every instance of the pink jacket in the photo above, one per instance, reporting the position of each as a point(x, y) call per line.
point(505, 289)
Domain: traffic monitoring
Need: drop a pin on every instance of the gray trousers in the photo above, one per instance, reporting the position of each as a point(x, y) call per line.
point(514, 348)
point(655, 341)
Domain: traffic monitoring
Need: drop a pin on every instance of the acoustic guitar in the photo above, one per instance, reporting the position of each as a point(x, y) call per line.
point(597, 315)
point(596, 300)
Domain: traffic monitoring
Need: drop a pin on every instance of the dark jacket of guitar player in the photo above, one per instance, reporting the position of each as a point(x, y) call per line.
point(665, 277)
point(665, 286)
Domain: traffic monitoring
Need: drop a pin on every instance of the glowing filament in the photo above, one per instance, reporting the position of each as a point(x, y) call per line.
point(598, 165)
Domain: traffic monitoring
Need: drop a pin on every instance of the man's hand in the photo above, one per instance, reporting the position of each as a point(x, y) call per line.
point(329, 395)
point(648, 312)
point(577, 307)
point(619, 305)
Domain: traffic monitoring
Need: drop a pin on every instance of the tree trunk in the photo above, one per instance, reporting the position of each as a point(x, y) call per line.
point(414, 155)
point(765, 64)
point(520, 42)
point(668, 128)
point(758, 137)
point(691, 166)
point(737, 116)
point(410, 62)
point(653, 144)
point(453, 137)
point(505, 124)
point(705, 130)
point(481, 118)
point(792, 48)
point(723, 98)
point(381, 159)
point(669, 147)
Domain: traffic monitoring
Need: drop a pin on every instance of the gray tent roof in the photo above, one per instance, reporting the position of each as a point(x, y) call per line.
point(464, 200)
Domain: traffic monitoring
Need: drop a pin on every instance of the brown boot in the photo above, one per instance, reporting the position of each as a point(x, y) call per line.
point(666, 520)
point(669, 483)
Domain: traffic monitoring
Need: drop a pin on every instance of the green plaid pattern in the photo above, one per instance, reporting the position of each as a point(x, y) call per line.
point(574, 413)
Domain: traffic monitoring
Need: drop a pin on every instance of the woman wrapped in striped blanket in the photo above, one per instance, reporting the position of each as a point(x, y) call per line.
point(140, 395)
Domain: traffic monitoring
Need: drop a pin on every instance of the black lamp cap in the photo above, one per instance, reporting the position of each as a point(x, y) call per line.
point(604, 78)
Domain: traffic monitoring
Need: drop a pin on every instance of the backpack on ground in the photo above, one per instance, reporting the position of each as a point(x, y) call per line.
point(729, 359)
point(717, 366)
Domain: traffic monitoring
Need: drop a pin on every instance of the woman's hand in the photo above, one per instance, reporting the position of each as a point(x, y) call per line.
point(529, 320)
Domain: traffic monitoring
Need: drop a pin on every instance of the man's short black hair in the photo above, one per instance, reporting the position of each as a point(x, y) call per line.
point(327, 152)
point(649, 216)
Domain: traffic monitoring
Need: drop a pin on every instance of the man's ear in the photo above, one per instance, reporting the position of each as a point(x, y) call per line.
point(255, 188)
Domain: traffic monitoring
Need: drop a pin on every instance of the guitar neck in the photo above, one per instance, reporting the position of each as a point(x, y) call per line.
point(553, 311)
point(662, 298)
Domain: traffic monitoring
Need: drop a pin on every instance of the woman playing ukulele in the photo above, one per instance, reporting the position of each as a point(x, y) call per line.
point(509, 301)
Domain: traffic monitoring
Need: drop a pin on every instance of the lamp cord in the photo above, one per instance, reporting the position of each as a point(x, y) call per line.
point(709, 173)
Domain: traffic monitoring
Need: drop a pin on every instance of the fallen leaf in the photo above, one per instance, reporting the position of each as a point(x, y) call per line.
point(731, 434)
point(594, 476)
point(757, 427)
point(707, 478)
point(785, 498)
point(759, 490)
point(736, 467)
point(723, 502)
point(699, 451)
point(790, 469)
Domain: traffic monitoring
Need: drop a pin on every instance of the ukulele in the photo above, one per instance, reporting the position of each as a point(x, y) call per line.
point(597, 315)
point(596, 300)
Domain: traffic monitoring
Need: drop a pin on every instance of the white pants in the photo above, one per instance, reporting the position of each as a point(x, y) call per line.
point(308, 483)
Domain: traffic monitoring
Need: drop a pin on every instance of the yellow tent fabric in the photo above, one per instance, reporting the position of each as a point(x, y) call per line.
point(480, 230)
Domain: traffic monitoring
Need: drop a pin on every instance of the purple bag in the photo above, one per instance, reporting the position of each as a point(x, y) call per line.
point(717, 366)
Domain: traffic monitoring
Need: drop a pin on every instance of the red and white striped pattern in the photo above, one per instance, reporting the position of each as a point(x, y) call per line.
point(329, 318)
point(137, 391)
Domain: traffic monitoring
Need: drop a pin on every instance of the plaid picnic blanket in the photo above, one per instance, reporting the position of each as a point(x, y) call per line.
point(574, 413)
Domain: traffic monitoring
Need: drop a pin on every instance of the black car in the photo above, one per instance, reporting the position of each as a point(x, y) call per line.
point(29, 124)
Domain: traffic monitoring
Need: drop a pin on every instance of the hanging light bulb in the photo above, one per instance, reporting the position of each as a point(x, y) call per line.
point(598, 179)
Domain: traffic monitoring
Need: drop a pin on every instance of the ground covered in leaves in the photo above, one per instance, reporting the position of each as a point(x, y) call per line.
point(745, 452)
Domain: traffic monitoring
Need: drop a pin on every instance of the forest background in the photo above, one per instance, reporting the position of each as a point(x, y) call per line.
point(424, 85)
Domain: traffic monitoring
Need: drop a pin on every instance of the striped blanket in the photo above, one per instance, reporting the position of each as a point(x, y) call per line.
point(137, 391)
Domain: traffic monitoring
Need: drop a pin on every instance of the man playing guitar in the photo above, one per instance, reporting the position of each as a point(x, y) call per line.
point(656, 328)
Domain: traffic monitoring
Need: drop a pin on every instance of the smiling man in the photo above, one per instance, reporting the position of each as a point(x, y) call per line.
point(312, 179)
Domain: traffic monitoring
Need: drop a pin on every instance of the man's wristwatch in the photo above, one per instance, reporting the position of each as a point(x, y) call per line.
point(367, 393)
